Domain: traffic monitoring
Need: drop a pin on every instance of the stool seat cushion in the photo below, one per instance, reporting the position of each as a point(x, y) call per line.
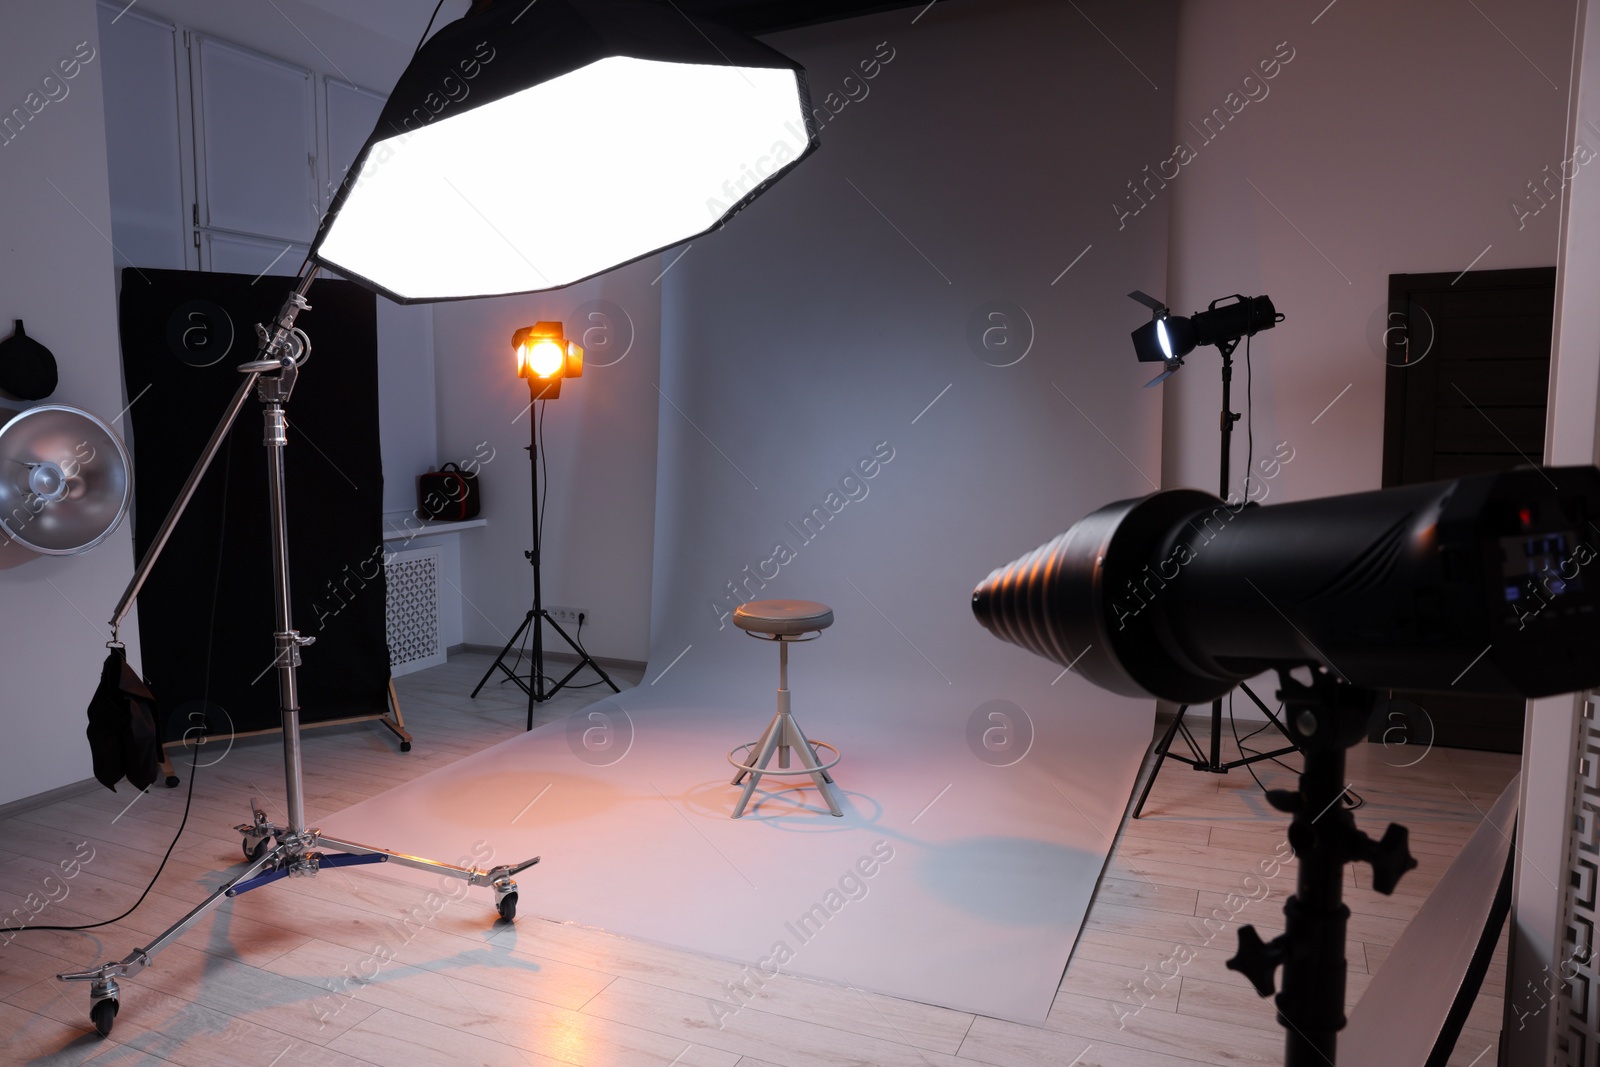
point(783, 617)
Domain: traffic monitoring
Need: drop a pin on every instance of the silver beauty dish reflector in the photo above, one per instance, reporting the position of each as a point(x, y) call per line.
point(64, 480)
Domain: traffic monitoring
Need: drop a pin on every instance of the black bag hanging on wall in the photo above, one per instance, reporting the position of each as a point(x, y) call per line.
point(122, 726)
point(449, 494)
point(27, 368)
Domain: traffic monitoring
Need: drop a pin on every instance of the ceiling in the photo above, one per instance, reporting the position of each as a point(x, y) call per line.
point(767, 16)
point(404, 19)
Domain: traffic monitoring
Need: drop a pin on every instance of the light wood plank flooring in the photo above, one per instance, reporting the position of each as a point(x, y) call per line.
point(326, 971)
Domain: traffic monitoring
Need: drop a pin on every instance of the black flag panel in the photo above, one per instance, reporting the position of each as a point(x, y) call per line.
point(206, 614)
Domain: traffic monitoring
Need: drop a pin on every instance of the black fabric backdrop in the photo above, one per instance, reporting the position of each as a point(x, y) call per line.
point(206, 614)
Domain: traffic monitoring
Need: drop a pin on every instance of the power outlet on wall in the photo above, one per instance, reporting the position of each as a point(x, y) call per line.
point(570, 615)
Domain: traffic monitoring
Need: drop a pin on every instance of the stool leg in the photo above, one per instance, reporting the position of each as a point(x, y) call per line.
point(759, 746)
point(808, 758)
point(802, 739)
point(767, 746)
point(783, 703)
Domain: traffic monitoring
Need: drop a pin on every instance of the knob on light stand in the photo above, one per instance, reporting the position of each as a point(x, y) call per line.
point(1325, 718)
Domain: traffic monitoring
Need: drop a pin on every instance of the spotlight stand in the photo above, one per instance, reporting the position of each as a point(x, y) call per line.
point(1326, 718)
point(538, 614)
point(272, 851)
point(1212, 763)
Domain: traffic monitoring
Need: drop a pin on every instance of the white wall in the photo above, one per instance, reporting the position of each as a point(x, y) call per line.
point(56, 274)
point(1393, 141)
point(408, 413)
point(600, 446)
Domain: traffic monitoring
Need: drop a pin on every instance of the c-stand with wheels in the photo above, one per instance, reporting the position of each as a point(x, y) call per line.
point(271, 851)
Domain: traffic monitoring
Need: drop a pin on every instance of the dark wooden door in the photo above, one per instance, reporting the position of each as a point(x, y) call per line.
point(1468, 380)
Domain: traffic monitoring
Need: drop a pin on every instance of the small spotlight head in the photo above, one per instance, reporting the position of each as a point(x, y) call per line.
point(1152, 343)
point(1167, 338)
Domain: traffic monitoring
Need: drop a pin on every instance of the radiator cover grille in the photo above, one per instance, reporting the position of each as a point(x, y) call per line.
point(414, 639)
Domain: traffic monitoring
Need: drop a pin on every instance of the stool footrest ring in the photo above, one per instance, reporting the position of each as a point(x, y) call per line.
point(753, 769)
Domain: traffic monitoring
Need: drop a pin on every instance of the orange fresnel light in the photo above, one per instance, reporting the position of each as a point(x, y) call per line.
point(544, 357)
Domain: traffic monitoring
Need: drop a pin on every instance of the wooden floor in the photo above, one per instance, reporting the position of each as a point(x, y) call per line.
point(330, 971)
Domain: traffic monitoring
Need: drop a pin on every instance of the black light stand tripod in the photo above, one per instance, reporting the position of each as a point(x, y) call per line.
point(1213, 763)
point(1324, 718)
point(538, 615)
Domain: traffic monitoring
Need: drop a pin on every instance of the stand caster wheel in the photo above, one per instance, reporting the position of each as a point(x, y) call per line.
point(103, 1013)
point(507, 907)
point(172, 781)
point(254, 852)
point(405, 746)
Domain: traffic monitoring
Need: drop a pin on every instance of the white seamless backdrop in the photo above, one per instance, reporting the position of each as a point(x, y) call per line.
point(901, 307)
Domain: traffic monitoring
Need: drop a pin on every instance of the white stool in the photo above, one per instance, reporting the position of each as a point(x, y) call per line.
point(786, 622)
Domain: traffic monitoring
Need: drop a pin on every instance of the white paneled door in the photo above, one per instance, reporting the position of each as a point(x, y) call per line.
point(256, 142)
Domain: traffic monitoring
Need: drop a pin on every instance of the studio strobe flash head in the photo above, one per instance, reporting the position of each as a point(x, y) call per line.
point(1487, 584)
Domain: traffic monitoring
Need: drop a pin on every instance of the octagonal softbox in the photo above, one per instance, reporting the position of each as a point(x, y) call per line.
point(530, 146)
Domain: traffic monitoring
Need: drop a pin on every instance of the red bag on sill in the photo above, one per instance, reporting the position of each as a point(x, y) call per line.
point(448, 494)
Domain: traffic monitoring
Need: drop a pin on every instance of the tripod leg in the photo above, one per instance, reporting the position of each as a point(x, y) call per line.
point(1161, 758)
point(536, 689)
point(499, 661)
point(1292, 746)
point(585, 660)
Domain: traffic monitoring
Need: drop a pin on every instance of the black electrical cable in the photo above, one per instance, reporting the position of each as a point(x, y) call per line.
point(1250, 417)
point(578, 640)
point(522, 650)
point(426, 28)
point(544, 485)
point(1354, 800)
point(1234, 725)
point(194, 761)
point(544, 470)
